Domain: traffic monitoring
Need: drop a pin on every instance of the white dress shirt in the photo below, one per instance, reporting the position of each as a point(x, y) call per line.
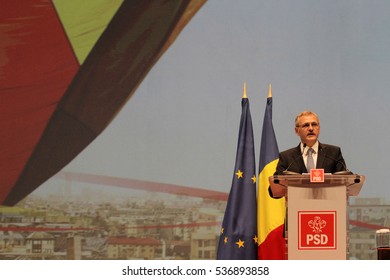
point(314, 154)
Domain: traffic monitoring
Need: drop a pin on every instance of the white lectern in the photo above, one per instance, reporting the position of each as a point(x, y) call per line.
point(317, 217)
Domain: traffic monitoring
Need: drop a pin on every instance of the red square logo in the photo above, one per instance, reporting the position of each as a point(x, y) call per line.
point(317, 175)
point(317, 230)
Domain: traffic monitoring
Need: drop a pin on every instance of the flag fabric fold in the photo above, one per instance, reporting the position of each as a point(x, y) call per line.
point(270, 212)
point(238, 237)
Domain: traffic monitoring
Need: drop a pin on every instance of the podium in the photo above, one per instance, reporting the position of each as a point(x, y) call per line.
point(317, 214)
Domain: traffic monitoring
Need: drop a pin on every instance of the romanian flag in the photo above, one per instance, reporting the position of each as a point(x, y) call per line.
point(238, 239)
point(270, 212)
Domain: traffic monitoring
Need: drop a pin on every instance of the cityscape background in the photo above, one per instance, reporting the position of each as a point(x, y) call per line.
point(180, 128)
point(90, 221)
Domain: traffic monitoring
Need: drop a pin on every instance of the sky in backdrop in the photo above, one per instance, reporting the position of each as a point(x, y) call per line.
point(181, 125)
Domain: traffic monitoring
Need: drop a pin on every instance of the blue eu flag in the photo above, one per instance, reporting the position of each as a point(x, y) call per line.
point(238, 237)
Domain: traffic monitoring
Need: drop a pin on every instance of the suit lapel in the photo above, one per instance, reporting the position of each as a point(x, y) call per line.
point(321, 156)
point(300, 162)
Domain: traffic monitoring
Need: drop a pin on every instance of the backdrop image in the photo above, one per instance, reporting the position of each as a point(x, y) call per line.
point(120, 119)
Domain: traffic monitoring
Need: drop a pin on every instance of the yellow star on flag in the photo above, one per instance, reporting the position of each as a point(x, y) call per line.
point(256, 239)
point(222, 229)
point(225, 240)
point(240, 243)
point(239, 174)
point(254, 179)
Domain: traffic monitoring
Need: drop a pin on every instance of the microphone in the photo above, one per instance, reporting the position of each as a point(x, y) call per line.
point(343, 172)
point(287, 172)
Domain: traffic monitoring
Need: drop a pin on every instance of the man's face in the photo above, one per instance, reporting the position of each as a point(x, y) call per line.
point(308, 129)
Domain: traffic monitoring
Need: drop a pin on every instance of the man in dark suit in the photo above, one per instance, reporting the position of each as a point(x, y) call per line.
point(327, 157)
point(295, 160)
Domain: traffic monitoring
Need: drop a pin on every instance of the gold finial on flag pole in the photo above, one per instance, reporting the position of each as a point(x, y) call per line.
point(269, 90)
point(244, 92)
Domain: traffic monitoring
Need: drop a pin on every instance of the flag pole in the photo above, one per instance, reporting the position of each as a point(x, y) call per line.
point(269, 90)
point(244, 92)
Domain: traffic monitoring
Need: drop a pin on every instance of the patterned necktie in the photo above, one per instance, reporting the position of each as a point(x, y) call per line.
point(310, 161)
